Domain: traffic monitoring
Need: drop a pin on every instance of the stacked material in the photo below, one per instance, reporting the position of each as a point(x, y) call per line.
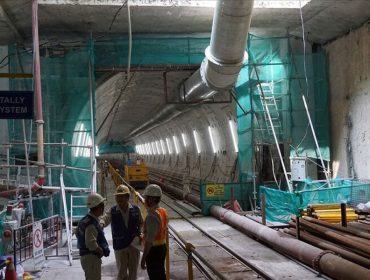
point(351, 243)
point(330, 213)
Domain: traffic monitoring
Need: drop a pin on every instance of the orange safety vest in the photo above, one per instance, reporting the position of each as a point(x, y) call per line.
point(160, 238)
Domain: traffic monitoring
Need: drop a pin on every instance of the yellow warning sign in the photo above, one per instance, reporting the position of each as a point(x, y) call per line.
point(215, 190)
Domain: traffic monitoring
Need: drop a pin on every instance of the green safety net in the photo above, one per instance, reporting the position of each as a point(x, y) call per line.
point(66, 111)
point(276, 71)
point(280, 205)
point(66, 82)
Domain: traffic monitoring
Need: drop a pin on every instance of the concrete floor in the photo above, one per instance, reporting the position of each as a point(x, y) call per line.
point(59, 268)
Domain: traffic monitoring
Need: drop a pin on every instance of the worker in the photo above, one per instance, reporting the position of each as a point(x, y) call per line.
point(126, 223)
point(91, 241)
point(155, 231)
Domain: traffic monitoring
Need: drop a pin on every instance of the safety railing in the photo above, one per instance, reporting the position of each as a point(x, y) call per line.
point(137, 198)
point(23, 239)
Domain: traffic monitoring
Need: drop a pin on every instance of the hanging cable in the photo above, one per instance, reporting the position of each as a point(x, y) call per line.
point(129, 41)
point(116, 14)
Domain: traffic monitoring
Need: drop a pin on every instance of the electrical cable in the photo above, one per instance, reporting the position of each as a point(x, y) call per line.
point(116, 14)
point(304, 70)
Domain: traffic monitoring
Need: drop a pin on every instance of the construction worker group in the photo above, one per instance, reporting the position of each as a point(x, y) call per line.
point(129, 233)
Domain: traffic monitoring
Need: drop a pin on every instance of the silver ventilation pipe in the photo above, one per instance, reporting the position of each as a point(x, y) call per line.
point(221, 66)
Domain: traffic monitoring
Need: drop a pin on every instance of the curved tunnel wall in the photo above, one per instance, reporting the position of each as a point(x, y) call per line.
point(188, 164)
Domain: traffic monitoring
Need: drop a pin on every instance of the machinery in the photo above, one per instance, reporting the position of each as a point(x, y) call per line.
point(136, 173)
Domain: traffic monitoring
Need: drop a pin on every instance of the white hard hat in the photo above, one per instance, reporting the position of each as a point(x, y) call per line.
point(94, 199)
point(153, 190)
point(122, 189)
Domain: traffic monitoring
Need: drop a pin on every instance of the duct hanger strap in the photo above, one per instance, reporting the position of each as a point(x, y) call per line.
point(220, 74)
point(317, 259)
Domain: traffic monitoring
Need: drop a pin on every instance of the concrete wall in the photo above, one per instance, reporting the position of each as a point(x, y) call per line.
point(349, 74)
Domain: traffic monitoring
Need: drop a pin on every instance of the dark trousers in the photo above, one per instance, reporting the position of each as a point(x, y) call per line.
point(155, 263)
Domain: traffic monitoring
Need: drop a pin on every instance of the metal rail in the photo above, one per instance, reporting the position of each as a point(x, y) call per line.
point(220, 245)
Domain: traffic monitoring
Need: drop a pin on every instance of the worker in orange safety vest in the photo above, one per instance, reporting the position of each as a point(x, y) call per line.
point(155, 230)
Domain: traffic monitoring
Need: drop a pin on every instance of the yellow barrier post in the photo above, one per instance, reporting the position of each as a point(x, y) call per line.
point(189, 249)
point(167, 256)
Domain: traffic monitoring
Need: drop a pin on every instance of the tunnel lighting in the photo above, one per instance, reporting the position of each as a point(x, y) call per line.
point(212, 140)
point(158, 148)
point(141, 149)
point(149, 149)
point(168, 146)
point(286, 4)
point(176, 144)
point(233, 135)
point(154, 148)
point(163, 148)
point(183, 139)
point(196, 141)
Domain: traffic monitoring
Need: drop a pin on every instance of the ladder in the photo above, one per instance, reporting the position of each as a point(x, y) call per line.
point(66, 219)
point(78, 211)
point(269, 105)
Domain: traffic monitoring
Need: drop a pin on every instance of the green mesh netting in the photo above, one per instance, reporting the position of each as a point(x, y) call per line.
point(280, 205)
point(66, 95)
point(282, 77)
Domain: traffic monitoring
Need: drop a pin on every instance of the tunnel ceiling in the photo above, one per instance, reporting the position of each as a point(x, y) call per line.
point(76, 19)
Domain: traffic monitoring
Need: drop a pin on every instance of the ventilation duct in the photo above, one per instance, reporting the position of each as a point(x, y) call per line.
point(221, 66)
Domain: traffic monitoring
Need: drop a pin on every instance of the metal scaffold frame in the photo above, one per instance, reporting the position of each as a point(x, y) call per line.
point(21, 188)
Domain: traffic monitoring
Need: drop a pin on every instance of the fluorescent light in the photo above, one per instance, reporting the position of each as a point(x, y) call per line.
point(176, 144)
point(149, 148)
point(158, 149)
point(183, 139)
point(163, 148)
point(280, 4)
point(154, 148)
point(212, 140)
point(233, 135)
point(168, 146)
point(196, 141)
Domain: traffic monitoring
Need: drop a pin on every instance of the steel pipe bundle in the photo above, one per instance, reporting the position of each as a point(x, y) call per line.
point(323, 261)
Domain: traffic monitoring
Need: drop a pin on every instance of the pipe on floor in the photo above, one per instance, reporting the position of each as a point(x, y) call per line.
point(179, 194)
point(323, 261)
point(326, 245)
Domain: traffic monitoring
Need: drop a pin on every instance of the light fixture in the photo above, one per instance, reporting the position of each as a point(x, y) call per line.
point(154, 148)
point(212, 140)
point(158, 148)
point(196, 141)
point(168, 146)
point(233, 135)
point(183, 139)
point(149, 148)
point(175, 144)
point(163, 148)
point(282, 4)
point(146, 149)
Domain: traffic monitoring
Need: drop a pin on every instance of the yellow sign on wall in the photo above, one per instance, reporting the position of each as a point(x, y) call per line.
point(215, 190)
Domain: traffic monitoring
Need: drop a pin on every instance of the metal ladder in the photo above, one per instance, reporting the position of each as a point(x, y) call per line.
point(268, 100)
point(78, 205)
